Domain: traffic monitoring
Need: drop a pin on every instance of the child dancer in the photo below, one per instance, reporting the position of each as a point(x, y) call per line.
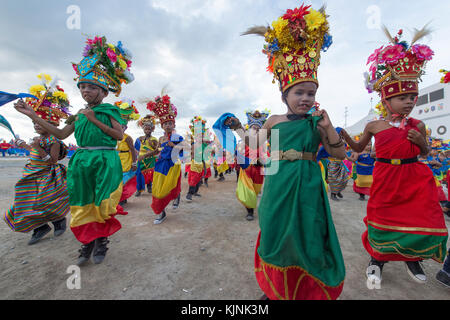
point(297, 253)
point(404, 220)
point(41, 194)
point(127, 153)
point(167, 175)
point(94, 176)
point(196, 168)
point(251, 175)
point(364, 165)
point(147, 146)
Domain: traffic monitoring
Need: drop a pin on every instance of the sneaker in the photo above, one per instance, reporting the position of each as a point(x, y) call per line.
point(197, 194)
point(249, 217)
point(221, 179)
point(340, 195)
point(176, 202)
point(374, 270)
point(333, 197)
point(161, 218)
point(444, 278)
point(415, 271)
point(39, 233)
point(362, 197)
point(85, 253)
point(149, 188)
point(60, 227)
point(100, 250)
point(138, 194)
point(189, 197)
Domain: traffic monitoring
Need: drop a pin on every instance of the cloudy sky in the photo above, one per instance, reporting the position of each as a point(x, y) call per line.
point(195, 47)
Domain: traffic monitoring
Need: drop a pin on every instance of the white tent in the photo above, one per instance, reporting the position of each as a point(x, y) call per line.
point(359, 126)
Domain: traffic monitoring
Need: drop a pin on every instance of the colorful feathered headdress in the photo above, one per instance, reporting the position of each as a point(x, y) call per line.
point(105, 65)
point(294, 44)
point(396, 69)
point(163, 108)
point(257, 118)
point(127, 109)
point(52, 104)
point(148, 120)
point(196, 123)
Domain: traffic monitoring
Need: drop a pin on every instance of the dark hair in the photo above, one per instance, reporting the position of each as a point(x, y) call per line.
point(284, 95)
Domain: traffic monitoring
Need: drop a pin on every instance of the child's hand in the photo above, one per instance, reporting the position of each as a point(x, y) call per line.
point(325, 122)
point(89, 113)
point(24, 108)
point(416, 137)
point(36, 142)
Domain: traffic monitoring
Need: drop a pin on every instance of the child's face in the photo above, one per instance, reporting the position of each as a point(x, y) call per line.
point(168, 126)
point(368, 148)
point(403, 104)
point(39, 129)
point(301, 97)
point(148, 130)
point(92, 94)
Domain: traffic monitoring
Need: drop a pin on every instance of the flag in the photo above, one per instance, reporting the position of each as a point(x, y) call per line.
point(5, 124)
point(6, 97)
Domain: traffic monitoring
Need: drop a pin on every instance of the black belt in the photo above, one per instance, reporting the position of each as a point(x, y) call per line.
point(398, 161)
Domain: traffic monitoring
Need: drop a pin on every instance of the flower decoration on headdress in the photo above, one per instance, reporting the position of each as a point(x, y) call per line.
point(52, 104)
point(257, 118)
point(127, 109)
point(148, 120)
point(105, 65)
point(196, 122)
point(293, 45)
point(446, 77)
point(396, 69)
point(381, 110)
point(163, 108)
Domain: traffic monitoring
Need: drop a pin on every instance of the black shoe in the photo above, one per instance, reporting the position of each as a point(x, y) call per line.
point(362, 197)
point(250, 217)
point(100, 250)
point(197, 194)
point(60, 227)
point(340, 195)
point(374, 270)
point(121, 203)
point(189, 197)
point(39, 233)
point(161, 218)
point(137, 194)
point(149, 188)
point(333, 197)
point(85, 253)
point(415, 271)
point(444, 278)
point(221, 179)
point(176, 202)
point(206, 183)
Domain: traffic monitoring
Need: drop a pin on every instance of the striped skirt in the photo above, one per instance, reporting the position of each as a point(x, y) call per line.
point(41, 197)
point(337, 176)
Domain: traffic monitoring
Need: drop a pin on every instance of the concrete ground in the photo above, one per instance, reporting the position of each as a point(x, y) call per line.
point(204, 250)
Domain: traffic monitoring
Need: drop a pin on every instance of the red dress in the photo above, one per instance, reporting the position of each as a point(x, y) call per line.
point(404, 219)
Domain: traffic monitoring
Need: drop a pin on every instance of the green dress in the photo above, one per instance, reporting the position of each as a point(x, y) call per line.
point(298, 255)
point(94, 178)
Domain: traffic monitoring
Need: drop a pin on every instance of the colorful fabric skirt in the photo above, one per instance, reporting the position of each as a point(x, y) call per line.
point(40, 197)
point(129, 182)
point(95, 187)
point(166, 185)
point(195, 173)
point(249, 186)
point(337, 176)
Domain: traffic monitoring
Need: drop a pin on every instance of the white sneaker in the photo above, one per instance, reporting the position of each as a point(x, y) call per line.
point(160, 219)
point(415, 271)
